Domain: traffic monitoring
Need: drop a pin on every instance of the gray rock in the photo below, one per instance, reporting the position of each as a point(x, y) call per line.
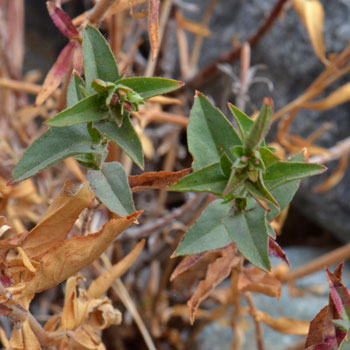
point(217, 337)
point(291, 67)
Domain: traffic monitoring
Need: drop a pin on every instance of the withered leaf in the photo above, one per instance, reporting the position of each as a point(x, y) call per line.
point(58, 219)
point(156, 180)
point(101, 284)
point(62, 21)
point(186, 264)
point(57, 73)
point(216, 273)
point(70, 256)
point(252, 279)
point(337, 97)
point(23, 338)
point(276, 251)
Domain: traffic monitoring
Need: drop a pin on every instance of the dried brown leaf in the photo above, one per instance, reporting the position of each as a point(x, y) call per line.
point(315, 335)
point(23, 338)
point(58, 219)
point(57, 73)
point(72, 255)
point(100, 285)
point(337, 97)
point(284, 325)
point(252, 279)
point(153, 30)
point(216, 273)
point(156, 180)
point(186, 264)
point(312, 16)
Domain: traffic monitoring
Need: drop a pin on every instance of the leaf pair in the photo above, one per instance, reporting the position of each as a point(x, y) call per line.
point(241, 169)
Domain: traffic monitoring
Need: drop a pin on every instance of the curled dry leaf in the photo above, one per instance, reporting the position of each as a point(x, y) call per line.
point(71, 255)
point(156, 180)
point(57, 73)
point(312, 15)
point(23, 338)
point(337, 97)
point(276, 251)
point(100, 285)
point(62, 21)
point(58, 219)
point(216, 273)
point(186, 264)
point(252, 279)
point(153, 30)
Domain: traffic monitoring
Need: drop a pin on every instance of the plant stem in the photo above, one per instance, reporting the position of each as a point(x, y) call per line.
point(97, 13)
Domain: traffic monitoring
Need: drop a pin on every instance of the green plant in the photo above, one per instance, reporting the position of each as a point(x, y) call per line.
point(98, 111)
point(253, 185)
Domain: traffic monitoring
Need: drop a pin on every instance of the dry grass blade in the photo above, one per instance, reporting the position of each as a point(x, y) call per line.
point(100, 285)
point(153, 26)
point(284, 325)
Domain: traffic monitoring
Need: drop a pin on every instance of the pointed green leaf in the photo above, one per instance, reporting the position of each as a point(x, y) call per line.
point(112, 188)
point(258, 189)
point(208, 232)
point(284, 172)
point(125, 137)
point(268, 157)
point(249, 231)
point(244, 123)
point(209, 133)
point(209, 179)
point(90, 109)
point(260, 127)
point(270, 230)
point(53, 146)
point(74, 93)
point(99, 61)
point(226, 164)
point(149, 87)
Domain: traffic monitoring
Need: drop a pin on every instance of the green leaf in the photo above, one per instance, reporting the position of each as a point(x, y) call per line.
point(53, 146)
point(270, 230)
point(226, 164)
point(112, 188)
point(74, 93)
point(89, 160)
point(149, 87)
point(209, 133)
point(125, 137)
point(258, 189)
point(260, 127)
point(99, 61)
point(248, 230)
point(208, 232)
point(244, 123)
point(90, 109)
point(209, 179)
point(284, 172)
point(268, 157)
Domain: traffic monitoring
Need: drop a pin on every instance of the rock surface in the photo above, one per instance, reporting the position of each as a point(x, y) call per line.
point(291, 66)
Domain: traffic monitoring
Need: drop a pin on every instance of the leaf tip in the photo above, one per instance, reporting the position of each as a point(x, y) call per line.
point(10, 182)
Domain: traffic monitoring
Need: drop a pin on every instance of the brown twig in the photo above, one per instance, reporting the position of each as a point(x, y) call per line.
point(97, 13)
point(320, 263)
point(21, 86)
point(341, 149)
point(258, 328)
point(235, 53)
